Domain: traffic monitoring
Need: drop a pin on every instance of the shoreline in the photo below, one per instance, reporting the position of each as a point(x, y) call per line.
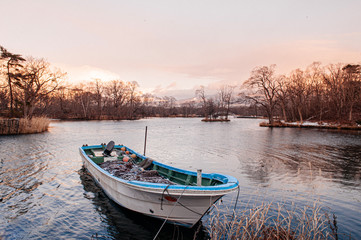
point(310, 125)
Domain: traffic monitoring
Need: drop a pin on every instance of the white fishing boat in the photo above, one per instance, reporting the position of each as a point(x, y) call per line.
point(149, 187)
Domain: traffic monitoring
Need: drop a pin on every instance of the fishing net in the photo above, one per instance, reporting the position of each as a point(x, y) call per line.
point(130, 171)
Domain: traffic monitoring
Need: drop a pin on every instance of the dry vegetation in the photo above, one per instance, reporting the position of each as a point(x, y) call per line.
point(34, 125)
point(273, 221)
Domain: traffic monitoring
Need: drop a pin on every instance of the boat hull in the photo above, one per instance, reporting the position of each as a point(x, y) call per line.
point(180, 204)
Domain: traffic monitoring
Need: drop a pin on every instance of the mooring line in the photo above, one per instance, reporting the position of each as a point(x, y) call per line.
point(234, 208)
point(165, 220)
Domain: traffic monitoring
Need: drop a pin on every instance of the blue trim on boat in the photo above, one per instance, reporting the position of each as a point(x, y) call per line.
point(229, 182)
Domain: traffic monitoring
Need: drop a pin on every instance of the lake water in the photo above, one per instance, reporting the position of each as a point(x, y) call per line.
point(45, 193)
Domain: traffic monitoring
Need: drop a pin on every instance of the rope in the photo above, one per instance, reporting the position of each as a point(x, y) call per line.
point(234, 208)
point(189, 209)
point(165, 220)
point(161, 200)
point(235, 205)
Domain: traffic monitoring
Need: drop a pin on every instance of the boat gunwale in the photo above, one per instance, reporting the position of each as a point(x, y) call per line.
point(230, 185)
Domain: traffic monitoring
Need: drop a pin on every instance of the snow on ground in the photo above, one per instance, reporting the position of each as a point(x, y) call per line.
point(306, 123)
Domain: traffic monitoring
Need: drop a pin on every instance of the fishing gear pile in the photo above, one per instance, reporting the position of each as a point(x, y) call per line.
point(132, 172)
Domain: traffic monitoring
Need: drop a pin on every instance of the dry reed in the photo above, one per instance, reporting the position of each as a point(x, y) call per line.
point(33, 125)
point(272, 221)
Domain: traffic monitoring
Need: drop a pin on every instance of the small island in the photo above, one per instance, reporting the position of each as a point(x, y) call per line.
point(215, 120)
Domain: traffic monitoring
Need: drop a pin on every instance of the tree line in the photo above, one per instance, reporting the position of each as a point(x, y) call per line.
point(31, 87)
point(318, 93)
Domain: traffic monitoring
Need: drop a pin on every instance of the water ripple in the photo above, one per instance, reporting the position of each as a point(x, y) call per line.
point(45, 193)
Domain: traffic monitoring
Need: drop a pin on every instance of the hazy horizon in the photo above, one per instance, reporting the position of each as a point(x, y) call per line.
point(175, 46)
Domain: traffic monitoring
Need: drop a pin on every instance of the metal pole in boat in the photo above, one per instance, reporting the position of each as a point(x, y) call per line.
point(199, 177)
point(145, 139)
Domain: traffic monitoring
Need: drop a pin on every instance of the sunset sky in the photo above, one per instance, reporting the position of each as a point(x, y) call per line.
point(173, 47)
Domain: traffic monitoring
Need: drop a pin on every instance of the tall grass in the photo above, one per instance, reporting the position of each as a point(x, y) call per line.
point(272, 221)
point(33, 125)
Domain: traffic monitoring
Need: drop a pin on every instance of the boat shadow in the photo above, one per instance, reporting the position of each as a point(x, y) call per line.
point(123, 223)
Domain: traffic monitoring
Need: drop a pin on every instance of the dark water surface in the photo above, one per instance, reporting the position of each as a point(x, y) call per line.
point(45, 193)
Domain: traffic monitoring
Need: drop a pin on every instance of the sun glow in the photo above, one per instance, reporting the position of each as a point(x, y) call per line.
point(87, 73)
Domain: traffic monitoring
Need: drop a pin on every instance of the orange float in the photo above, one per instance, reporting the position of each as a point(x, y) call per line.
point(126, 159)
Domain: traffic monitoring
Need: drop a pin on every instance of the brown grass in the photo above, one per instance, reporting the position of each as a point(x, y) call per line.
point(34, 125)
point(273, 221)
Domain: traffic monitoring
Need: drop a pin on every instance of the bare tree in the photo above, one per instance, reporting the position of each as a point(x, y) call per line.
point(83, 97)
point(61, 98)
point(98, 88)
point(225, 96)
point(352, 84)
point(147, 102)
point(297, 92)
point(315, 81)
point(264, 85)
point(333, 78)
point(187, 108)
point(116, 91)
point(282, 95)
point(133, 98)
point(200, 93)
point(211, 109)
point(37, 82)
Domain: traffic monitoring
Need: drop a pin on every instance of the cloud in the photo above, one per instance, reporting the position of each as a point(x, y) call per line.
point(83, 73)
point(172, 85)
point(159, 90)
point(180, 94)
point(231, 67)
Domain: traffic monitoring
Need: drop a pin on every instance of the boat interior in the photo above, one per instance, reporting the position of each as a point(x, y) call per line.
point(122, 153)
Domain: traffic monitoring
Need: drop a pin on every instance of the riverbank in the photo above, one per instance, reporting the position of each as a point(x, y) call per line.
point(23, 125)
point(322, 125)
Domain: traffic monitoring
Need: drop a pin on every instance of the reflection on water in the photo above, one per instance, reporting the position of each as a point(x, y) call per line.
point(44, 193)
point(307, 156)
point(125, 224)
